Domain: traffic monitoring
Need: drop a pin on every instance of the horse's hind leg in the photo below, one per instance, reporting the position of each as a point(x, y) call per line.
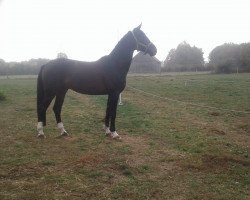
point(113, 107)
point(57, 110)
point(41, 112)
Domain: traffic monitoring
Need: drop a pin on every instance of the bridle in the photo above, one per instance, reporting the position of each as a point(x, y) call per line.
point(138, 43)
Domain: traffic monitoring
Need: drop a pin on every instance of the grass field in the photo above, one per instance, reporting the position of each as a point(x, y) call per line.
point(169, 149)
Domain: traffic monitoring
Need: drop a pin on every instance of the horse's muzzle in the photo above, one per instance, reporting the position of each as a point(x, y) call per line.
point(152, 50)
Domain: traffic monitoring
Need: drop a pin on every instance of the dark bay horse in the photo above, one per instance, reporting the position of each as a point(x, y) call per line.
point(106, 76)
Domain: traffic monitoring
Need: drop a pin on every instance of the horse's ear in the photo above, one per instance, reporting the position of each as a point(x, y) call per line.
point(139, 27)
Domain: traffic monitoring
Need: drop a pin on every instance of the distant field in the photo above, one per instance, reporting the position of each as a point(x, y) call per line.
point(193, 145)
point(18, 77)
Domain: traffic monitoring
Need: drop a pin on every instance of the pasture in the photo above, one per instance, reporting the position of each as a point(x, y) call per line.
point(190, 146)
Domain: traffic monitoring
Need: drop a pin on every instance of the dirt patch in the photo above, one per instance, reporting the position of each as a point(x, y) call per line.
point(215, 113)
point(139, 147)
point(224, 162)
point(212, 163)
point(245, 127)
point(169, 163)
point(23, 172)
point(91, 158)
point(161, 159)
point(217, 132)
point(138, 143)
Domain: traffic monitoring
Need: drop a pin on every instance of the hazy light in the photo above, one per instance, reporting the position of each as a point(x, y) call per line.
point(87, 30)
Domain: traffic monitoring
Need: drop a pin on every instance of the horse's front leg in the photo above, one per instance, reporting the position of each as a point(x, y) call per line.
point(111, 115)
point(107, 117)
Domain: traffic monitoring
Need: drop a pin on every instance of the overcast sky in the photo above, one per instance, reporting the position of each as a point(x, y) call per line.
point(87, 30)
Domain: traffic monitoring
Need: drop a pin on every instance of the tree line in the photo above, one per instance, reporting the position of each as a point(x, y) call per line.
point(30, 67)
point(226, 58)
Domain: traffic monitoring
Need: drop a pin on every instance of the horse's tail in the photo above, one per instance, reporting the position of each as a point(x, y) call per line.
point(40, 93)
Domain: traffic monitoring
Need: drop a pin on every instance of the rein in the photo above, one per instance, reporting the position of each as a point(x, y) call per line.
point(141, 44)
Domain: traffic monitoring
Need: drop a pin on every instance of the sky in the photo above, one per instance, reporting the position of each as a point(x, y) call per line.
point(88, 30)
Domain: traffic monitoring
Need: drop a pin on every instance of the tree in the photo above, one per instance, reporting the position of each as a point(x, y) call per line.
point(3, 67)
point(230, 58)
point(62, 55)
point(184, 58)
point(244, 60)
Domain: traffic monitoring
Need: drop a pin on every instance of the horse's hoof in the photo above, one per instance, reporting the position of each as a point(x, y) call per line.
point(114, 135)
point(64, 134)
point(41, 136)
point(107, 131)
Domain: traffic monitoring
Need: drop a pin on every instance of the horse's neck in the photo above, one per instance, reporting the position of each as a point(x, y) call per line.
point(122, 54)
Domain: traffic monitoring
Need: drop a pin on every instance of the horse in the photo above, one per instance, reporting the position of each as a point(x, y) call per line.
point(106, 76)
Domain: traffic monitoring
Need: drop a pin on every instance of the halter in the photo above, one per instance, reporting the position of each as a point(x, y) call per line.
point(141, 44)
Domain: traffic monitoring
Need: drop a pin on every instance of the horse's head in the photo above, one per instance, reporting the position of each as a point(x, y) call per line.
point(142, 43)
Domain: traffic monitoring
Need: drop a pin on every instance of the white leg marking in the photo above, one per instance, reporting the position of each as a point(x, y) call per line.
point(62, 130)
point(114, 135)
point(107, 130)
point(40, 129)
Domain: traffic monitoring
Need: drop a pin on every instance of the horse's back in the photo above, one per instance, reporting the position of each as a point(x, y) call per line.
point(80, 76)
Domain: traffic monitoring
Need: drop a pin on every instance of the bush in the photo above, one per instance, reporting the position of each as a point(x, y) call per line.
point(2, 96)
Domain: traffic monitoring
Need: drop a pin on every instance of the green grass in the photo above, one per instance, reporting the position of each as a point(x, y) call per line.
point(2, 96)
point(170, 150)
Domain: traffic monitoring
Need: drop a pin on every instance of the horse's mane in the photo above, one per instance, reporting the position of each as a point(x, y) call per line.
point(122, 45)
